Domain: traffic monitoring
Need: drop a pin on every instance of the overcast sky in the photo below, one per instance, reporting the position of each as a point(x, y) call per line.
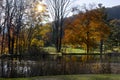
point(106, 3)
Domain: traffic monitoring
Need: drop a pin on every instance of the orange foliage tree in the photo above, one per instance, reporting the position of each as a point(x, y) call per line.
point(86, 29)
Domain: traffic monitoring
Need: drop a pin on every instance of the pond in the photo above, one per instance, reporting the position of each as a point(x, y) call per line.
point(54, 66)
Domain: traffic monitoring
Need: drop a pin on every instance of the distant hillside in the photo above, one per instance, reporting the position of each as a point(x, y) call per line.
point(114, 12)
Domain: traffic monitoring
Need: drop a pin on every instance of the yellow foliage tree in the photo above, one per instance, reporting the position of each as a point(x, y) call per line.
point(86, 29)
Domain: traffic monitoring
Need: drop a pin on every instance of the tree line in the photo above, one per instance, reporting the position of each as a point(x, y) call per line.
point(22, 28)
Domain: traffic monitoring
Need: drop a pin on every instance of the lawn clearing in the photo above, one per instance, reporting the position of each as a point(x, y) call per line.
point(66, 50)
point(72, 77)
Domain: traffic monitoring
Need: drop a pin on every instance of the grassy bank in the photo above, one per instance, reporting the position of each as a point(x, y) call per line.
point(71, 77)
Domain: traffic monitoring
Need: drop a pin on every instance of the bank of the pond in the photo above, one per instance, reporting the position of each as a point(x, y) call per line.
point(72, 77)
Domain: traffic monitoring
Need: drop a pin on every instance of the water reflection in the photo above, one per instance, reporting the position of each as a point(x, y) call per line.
point(52, 65)
point(15, 68)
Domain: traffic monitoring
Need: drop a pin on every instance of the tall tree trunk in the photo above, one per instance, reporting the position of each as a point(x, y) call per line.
point(88, 47)
point(56, 36)
point(17, 43)
point(12, 45)
point(60, 36)
point(3, 39)
point(101, 50)
point(9, 42)
point(88, 44)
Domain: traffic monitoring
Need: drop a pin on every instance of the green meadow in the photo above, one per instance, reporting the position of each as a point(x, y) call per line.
point(72, 77)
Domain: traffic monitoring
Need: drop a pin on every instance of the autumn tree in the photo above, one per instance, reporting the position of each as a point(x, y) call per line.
point(10, 13)
point(35, 18)
point(86, 29)
point(42, 35)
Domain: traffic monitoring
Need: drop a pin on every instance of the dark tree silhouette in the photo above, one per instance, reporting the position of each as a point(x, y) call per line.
point(58, 9)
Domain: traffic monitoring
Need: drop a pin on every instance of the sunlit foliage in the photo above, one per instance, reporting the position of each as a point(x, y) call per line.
point(86, 29)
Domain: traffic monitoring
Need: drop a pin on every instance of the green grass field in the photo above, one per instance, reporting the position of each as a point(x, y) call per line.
point(75, 50)
point(72, 77)
point(66, 50)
